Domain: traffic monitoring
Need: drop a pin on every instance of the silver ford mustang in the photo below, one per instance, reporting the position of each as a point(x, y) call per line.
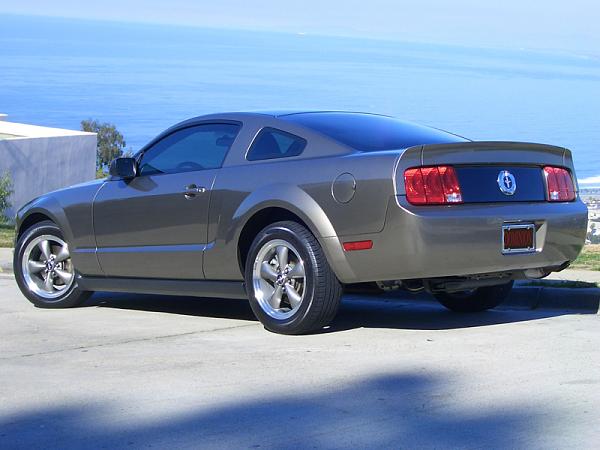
point(286, 208)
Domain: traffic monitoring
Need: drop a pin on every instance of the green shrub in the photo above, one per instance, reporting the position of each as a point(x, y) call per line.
point(6, 190)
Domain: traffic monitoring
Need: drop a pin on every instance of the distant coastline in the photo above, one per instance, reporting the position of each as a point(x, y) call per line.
point(144, 78)
point(590, 192)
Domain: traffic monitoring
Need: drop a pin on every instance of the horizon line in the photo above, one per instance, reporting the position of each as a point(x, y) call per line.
point(381, 38)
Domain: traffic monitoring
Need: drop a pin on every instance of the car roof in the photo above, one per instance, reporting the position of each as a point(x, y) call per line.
point(238, 115)
point(349, 134)
point(329, 111)
point(234, 116)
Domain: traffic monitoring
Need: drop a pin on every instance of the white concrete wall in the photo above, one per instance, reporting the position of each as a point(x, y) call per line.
point(42, 164)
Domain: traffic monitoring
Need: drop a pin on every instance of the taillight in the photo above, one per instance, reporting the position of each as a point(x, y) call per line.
point(432, 185)
point(559, 184)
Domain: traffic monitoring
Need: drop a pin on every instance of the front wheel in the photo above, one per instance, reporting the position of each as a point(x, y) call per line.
point(476, 300)
point(291, 287)
point(43, 268)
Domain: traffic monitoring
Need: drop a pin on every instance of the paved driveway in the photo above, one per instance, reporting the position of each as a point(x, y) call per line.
point(141, 371)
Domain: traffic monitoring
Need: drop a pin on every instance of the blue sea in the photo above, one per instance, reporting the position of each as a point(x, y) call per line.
point(143, 78)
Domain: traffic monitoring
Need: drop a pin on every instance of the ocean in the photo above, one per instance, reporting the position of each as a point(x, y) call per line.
point(144, 78)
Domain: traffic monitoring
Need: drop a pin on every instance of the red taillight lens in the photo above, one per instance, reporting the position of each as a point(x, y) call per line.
point(415, 189)
point(559, 184)
point(434, 191)
point(432, 185)
point(451, 185)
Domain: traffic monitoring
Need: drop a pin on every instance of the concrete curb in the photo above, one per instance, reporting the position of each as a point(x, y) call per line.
point(6, 260)
point(549, 297)
point(522, 297)
point(588, 276)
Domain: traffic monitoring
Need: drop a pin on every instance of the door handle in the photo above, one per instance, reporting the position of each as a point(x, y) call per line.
point(192, 190)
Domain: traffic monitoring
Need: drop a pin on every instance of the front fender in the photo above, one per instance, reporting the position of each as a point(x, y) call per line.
point(49, 207)
point(71, 210)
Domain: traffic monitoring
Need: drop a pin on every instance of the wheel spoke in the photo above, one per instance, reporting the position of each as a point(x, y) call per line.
point(267, 272)
point(64, 275)
point(46, 266)
point(63, 254)
point(275, 298)
point(44, 247)
point(35, 266)
point(293, 296)
point(282, 256)
point(48, 283)
point(297, 271)
point(278, 279)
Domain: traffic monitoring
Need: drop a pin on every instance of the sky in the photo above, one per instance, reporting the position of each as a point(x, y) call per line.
point(570, 26)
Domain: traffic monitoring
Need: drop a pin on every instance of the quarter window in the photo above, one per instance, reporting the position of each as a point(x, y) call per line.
point(271, 144)
point(194, 148)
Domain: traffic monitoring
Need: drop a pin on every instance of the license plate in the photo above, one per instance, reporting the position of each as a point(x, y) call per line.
point(518, 238)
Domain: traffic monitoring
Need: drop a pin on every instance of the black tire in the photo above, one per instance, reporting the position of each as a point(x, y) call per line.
point(480, 299)
point(71, 296)
point(322, 290)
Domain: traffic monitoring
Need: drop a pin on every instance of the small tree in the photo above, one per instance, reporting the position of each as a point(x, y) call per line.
point(6, 190)
point(110, 143)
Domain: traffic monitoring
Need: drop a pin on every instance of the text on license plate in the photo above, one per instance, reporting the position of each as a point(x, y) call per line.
point(518, 238)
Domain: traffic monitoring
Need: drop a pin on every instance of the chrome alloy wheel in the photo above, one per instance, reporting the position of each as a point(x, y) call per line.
point(279, 279)
point(47, 267)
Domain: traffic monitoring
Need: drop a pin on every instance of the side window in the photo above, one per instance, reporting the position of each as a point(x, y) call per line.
point(194, 148)
point(271, 143)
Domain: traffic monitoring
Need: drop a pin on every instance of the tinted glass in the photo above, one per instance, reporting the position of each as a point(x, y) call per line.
point(194, 148)
point(368, 132)
point(271, 143)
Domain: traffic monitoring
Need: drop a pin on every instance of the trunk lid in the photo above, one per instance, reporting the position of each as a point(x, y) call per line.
point(479, 164)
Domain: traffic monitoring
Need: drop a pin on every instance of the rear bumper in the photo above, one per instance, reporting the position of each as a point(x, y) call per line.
point(461, 240)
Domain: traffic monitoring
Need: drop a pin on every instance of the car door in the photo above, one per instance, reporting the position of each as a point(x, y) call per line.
point(155, 225)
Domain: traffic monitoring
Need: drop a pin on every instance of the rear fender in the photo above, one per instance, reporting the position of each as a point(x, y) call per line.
point(292, 198)
point(289, 197)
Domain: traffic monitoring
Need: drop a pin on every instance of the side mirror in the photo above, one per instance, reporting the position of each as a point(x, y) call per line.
point(125, 168)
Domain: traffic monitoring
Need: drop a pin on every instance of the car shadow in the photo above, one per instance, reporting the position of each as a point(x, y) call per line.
point(390, 410)
point(392, 311)
point(422, 312)
point(220, 308)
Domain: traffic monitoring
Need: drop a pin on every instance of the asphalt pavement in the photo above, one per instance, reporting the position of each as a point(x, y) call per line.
point(396, 371)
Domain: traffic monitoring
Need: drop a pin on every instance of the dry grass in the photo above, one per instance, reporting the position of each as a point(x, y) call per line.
point(7, 235)
point(589, 258)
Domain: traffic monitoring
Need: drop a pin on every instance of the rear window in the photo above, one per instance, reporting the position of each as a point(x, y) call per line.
point(369, 132)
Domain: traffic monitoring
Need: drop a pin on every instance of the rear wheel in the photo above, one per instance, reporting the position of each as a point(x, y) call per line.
point(292, 289)
point(476, 300)
point(43, 268)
